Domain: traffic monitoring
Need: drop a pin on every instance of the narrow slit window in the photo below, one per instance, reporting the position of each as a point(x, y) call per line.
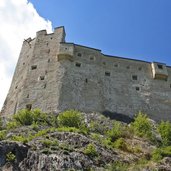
point(86, 80)
point(107, 73)
point(78, 64)
point(33, 67)
point(134, 77)
point(27, 95)
point(44, 86)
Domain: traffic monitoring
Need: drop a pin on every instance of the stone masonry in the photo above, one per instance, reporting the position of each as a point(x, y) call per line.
point(54, 75)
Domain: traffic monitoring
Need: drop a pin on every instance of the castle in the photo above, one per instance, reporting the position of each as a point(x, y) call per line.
point(54, 75)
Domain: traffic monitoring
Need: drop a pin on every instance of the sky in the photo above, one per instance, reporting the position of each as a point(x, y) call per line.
point(138, 29)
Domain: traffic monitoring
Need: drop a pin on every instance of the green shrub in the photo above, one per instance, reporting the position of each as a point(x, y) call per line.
point(70, 118)
point(12, 125)
point(24, 117)
point(121, 144)
point(116, 132)
point(48, 143)
point(90, 150)
point(164, 128)
point(35, 126)
point(159, 153)
point(19, 138)
point(2, 135)
point(10, 157)
point(142, 126)
point(96, 127)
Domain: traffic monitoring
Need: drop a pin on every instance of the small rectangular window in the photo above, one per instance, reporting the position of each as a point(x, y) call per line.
point(33, 67)
point(137, 88)
point(28, 106)
point(160, 66)
point(78, 64)
point(107, 73)
point(134, 77)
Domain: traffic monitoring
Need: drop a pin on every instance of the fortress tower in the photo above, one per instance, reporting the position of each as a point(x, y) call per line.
point(54, 76)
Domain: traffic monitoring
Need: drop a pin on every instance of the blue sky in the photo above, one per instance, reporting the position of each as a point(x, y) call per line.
point(138, 29)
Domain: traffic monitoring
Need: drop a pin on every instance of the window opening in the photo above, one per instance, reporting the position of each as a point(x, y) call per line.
point(134, 77)
point(28, 106)
point(27, 95)
point(79, 54)
point(34, 67)
point(107, 73)
point(137, 88)
point(116, 65)
point(160, 66)
point(86, 80)
point(78, 64)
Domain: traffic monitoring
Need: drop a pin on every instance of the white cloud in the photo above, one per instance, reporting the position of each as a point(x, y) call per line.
point(19, 20)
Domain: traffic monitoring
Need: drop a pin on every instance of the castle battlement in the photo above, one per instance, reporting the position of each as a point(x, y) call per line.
point(55, 75)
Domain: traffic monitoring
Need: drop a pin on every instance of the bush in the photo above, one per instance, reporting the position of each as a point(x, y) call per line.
point(10, 157)
point(142, 126)
point(26, 117)
point(121, 144)
point(164, 129)
point(2, 135)
point(90, 150)
point(160, 153)
point(116, 132)
point(70, 118)
point(12, 125)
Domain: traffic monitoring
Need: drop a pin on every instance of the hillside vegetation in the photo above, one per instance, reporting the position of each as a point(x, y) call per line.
point(83, 141)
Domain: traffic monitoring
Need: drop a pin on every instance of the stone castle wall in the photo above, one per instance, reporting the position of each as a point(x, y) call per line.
point(54, 75)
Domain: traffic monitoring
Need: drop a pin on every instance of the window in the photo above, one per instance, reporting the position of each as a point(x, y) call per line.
point(79, 54)
point(137, 88)
point(128, 67)
point(77, 64)
point(107, 73)
point(115, 65)
point(23, 63)
point(86, 80)
point(160, 66)
point(48, 60)
point(140, 68)
point(28, 106)
point(104, 63)
point(27, 95)
point(134, 77)
point(42, 77)
point(16, 87)
point(33, 67)
point(92, 58)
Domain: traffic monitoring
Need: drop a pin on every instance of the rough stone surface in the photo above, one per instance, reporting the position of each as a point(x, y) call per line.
point(54, 76)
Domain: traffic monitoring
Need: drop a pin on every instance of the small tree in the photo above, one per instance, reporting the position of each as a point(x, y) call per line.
point(116, 131)
point(164, 128)
point(142, 126)
point(70, 118)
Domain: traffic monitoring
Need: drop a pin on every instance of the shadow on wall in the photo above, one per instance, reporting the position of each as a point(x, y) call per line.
point(118, 116)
